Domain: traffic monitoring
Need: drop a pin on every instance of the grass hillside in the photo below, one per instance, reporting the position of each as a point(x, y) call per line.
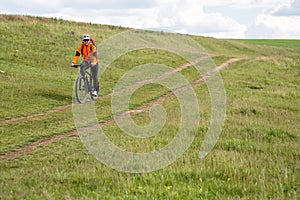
point(256, 157)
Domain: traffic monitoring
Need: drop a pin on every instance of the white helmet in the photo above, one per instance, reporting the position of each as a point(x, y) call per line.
point(86, 37)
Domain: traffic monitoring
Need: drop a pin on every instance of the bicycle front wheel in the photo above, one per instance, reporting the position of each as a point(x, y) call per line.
point(81, 89)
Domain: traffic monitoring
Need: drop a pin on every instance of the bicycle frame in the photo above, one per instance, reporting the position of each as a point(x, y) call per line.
point(84, 73)
point(84, 83)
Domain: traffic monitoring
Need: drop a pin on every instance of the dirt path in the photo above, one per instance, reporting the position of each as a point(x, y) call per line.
point(57, 109)
point(31, 147)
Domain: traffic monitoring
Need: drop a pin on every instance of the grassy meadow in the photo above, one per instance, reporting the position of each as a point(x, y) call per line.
point(256, 157)
point(274, 42)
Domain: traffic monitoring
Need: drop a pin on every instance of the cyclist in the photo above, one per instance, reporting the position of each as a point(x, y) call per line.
point(89, 52)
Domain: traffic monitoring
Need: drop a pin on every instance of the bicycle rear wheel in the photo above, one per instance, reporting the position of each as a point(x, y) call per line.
point(81, 89)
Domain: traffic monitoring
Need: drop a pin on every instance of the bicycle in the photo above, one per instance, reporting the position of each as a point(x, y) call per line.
point(84, 83)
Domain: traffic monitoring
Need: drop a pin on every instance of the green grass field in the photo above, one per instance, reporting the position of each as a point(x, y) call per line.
point(256, 157)
point(278, 43)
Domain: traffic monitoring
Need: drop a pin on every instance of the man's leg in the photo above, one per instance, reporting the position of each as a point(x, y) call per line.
point(94, 71)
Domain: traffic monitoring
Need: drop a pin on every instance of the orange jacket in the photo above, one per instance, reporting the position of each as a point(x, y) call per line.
point(89, 53)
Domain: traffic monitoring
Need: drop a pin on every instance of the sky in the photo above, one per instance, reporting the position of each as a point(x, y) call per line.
point(274, 19)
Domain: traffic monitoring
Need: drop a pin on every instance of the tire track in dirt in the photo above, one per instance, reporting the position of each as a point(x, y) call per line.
point(31, 147)
point(57, 109)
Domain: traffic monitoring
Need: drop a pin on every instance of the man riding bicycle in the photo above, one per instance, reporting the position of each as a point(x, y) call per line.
point(89, 52)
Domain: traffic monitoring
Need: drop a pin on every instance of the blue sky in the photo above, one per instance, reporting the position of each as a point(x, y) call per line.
point(215, 18)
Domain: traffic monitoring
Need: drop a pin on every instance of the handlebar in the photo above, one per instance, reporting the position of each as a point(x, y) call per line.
point(83, 63)
point(76, 65)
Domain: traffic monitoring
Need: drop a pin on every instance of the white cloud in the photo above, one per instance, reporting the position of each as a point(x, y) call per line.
point(245, 3)
point(171, 15)
point(33, 6)
point(280, 21)
point(109, 4)
point(292, 9)
point(189, 17)
point(268, 26)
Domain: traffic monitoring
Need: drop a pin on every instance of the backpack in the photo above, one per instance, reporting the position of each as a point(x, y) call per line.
point(93, 42)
